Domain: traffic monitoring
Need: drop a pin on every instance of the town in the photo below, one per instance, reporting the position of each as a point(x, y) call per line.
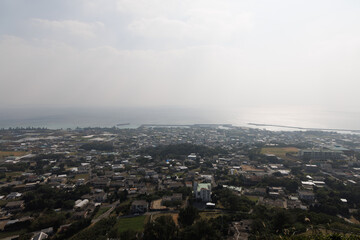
point(202, 181)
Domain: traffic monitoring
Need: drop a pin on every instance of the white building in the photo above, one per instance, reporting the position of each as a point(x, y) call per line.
point(202, 191)
point(79, 204)
point(192, 156)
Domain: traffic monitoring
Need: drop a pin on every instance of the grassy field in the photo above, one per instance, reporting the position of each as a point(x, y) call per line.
point(209, 215)
point(13, 174)
point(101, 211)
point(279, 151)
point(134, 223)
point(125, 202)
point(4, 154)
point(180, 174)
point(3, 203)
point(253, 198)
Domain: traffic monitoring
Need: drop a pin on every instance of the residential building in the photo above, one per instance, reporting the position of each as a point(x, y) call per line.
point(202, 191)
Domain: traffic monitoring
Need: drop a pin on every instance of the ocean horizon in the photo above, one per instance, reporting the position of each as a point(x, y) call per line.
point(280, 118)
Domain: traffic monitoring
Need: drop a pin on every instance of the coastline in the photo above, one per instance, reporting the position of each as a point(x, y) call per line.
point(304, 128)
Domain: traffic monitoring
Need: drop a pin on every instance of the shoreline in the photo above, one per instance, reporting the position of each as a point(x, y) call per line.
point(304, 128)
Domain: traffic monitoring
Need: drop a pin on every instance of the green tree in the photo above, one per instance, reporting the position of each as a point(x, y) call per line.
point(162, 228)
point(188, 215)
point(128, 235)
point(201, 230)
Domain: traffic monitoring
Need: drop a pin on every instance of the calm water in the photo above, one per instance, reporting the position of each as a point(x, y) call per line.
point(288, 116)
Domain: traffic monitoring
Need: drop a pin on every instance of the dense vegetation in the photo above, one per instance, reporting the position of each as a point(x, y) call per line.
point(46, 197)
point(188, 215)
point(231, 201)
point(99, 146)
point(98, 231)
point(165, 228)
point(290, 185)
point(73, 228)
point(274, 222)
point(182, 150)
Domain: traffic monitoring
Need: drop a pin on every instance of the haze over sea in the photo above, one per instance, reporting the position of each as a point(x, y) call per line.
point(303, 117)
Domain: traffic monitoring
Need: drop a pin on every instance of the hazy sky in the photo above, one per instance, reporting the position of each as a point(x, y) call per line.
point(179, 53)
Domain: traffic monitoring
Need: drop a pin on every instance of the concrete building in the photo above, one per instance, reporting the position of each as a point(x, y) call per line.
point(202, 191)
point(319, 154)
point(306, 195)
point(139, 206)
point(192, 156)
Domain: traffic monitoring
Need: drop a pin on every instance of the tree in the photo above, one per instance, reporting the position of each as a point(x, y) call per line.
point(188, 215)
point(97, 231)
point(277, 174)
point(232, 201)
point(162, 228)
point(123, 195)
point(128, 235)
point(201, 230)
point(280, 219)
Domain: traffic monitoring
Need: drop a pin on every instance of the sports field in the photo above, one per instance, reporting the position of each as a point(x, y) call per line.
point(279, 151)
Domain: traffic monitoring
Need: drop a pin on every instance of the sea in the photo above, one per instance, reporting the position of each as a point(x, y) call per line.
point(283, 118)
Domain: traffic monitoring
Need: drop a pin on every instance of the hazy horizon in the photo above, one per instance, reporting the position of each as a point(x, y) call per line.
point(210, 56)
point(56, 118)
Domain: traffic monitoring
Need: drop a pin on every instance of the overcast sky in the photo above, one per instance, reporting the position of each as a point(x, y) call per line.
point(182, 53)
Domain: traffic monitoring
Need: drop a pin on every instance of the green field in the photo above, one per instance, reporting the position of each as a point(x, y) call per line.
point(209, 215)
point(128, 201)
point(13, 174)
point(253, 198)
point(134, 223)
point(279, 151)
point(3, 203)
point(101, 211)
